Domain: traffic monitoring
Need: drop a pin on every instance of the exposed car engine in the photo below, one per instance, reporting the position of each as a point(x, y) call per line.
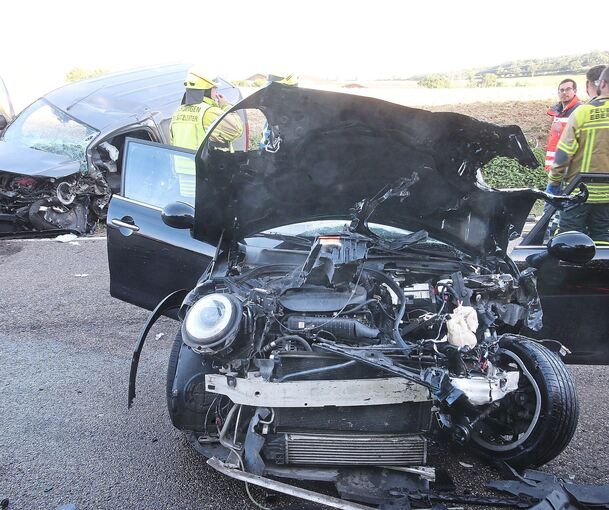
point(354, 354)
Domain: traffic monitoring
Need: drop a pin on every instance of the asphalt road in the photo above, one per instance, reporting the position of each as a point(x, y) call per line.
point(66, 435)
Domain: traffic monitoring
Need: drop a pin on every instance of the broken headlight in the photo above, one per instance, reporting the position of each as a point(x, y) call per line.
point(212, 323)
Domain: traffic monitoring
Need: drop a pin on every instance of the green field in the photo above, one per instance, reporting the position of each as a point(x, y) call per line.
point(535, 81)
point(526, 81)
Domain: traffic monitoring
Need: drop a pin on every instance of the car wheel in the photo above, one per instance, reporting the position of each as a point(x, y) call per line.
point(43, 216)
point(532, 425)
point(36, 216)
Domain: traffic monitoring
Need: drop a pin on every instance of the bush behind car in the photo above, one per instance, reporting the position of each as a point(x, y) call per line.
point(504, 172)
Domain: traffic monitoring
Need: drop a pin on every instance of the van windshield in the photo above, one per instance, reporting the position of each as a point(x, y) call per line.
point(44, 127)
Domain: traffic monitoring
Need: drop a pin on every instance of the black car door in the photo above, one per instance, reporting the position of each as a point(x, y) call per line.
point(148, 259)
point(575, 299)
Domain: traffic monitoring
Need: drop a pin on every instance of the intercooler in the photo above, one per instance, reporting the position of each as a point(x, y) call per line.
point(348, 449)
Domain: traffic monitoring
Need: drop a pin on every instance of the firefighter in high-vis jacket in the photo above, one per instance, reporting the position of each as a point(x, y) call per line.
point(283, 78)
point(201, 107)
point(584, 148)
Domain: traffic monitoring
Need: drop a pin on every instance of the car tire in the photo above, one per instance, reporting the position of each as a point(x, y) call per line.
point(75, 218)
point(38, 222)
point(559, 408)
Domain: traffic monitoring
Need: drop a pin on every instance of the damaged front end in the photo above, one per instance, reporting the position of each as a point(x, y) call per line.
point(50, 182)
point(34, 204)
point(336, 329)
point(348, 355)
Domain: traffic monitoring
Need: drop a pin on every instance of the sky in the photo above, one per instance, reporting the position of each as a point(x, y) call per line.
point(43, 40)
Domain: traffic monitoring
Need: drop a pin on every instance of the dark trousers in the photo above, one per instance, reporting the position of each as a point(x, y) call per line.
point(591, 219)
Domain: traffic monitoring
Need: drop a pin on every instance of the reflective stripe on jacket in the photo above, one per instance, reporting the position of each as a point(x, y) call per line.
point(584, 147)
point(184, 167)
point(558, 126)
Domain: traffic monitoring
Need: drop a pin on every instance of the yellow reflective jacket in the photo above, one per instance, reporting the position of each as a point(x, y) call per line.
point(190, 123)
point(584, 147)
point(188, 127)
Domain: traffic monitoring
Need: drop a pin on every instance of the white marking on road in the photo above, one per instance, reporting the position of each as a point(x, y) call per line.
point(53, 240)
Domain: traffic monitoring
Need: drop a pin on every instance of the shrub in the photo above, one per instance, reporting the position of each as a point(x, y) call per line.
point(472, 81)
point(490, 80)
point(260, 82)
point(435, 81)
point(254, 141)
point(504, 172)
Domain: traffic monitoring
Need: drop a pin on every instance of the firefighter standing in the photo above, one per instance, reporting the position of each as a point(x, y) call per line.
point(568, 102)
point(201, 107)
point(584, 148)
point(283, 78)
point(593, 80)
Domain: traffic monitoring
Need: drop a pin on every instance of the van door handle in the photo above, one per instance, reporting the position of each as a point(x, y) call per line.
point(123, 224)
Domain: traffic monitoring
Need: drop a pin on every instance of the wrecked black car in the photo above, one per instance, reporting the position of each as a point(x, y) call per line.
point(345, 291)
point(60, 158)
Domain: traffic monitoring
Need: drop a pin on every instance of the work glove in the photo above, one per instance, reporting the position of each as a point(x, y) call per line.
point(553, 189)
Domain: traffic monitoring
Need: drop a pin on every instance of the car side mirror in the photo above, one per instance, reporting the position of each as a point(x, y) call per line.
point(573, 247)
point(178, 215)
point(3, 122)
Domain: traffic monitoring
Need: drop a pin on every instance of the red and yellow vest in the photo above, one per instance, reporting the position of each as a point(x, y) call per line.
point(559, 122)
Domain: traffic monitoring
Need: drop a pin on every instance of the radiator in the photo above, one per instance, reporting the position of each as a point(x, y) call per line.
point(355, 449)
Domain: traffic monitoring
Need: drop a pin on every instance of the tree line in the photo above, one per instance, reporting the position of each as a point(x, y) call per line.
point(490, 76)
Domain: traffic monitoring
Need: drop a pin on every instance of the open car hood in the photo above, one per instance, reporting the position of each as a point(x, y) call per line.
point(338, 149)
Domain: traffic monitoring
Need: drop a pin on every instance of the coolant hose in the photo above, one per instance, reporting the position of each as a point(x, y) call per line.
point(295, 338)
point(401, 299)
point(317, 370)
point(282, 339)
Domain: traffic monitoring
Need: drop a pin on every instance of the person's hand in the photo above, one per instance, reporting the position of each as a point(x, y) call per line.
point(553, 189)
point(220, 99)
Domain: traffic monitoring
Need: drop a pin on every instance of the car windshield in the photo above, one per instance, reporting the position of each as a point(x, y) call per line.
point(312, 229)
point(44, 127)
point(309, 230)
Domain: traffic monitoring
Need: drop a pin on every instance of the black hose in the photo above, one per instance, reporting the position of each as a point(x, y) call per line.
point(317, 370)
point(295, 338)
point(360, 306)
point(281, 340)
point(400, 295)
